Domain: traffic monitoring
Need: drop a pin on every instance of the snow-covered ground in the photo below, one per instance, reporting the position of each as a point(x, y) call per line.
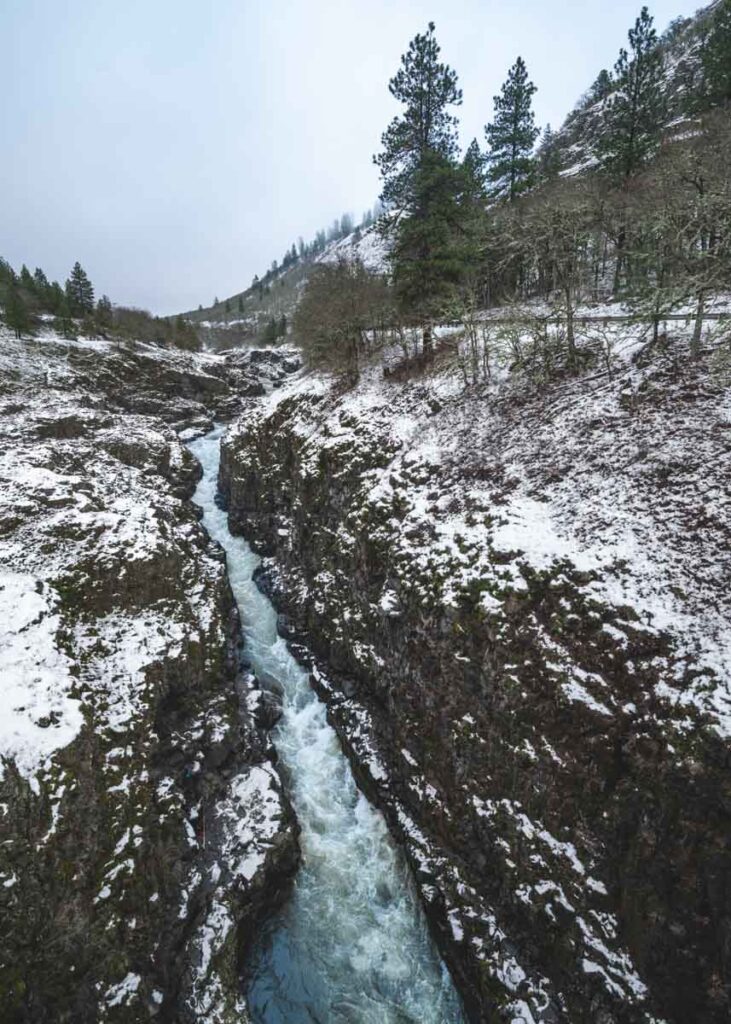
point(80, 509)
point(368, 246)
point(528, 576)
point(624, 475)
point(117, 701)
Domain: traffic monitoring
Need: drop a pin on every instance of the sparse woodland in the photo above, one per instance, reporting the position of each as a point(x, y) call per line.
point(642, 218)
point(630, 201)
point(28, 297)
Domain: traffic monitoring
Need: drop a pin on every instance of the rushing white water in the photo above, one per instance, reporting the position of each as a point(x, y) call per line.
point(352, 944)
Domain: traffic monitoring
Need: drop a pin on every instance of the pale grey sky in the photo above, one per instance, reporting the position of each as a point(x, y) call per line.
point(176, 147)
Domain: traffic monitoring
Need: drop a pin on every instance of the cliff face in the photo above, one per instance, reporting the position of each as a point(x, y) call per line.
point(518, 604)
point(143, 829)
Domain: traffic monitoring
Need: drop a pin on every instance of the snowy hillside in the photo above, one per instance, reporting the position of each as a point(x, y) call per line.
point(368, 246)
point(242, 318)
point(121, 738)
point(520, 598)
point(577, 138)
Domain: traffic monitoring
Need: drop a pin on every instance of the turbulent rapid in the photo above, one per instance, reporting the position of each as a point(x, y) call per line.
point(352, 944)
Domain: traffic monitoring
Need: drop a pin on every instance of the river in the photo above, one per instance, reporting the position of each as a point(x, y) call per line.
point(351, 944)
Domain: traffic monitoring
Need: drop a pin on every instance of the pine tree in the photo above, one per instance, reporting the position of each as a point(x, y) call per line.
point(17, 316)
point(428, 254)
point(42, 287)
point(79, 292)
point(64, 318)
point(7, 274)
point(56, 298)
point(473, 167)
point(601, 87)
point(104, 312)
point(271, 331)
point(548, 163)
point(421, 182)
point(427, 88)
point(511, 136)
point(635, 112)
point(473, 205)
point(241, 304)
point(27, 280)
point(716, 57)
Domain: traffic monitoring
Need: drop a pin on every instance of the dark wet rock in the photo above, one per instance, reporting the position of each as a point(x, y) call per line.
point(267, 708)
point(286, 628)
point(142, 782)
point(551, 761)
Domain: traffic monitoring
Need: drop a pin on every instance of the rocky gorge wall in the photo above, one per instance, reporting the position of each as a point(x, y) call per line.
point(143, 827)
point(516, 601)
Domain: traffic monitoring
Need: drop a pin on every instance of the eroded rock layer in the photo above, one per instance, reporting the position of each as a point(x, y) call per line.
point(519, 603)
point(143, 828)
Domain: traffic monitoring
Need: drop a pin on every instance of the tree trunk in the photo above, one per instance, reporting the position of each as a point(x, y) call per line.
point(570, 337)
point(695, 344)
point(427, 346)
point(619, 265)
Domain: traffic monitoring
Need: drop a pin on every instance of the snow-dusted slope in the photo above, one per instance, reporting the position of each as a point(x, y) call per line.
point(367, 246)
point(121, 737)
point(284, 288)
point(522, 600)
point(577, 138)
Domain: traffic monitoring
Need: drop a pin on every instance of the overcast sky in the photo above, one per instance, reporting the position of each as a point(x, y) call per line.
point(176, 147)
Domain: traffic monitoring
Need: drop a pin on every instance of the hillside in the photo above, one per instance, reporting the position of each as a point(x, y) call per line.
point(125, 737)
point(279, 292)
point(519, 600)
point(365, 637)
point(575, 143)
point(570, 151)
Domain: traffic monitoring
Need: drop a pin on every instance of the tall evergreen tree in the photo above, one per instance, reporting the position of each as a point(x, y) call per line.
point(79, 292)
point(473, 167)
point(427, 89)
point(716, 57)
point(104, 312)
point(64, 317)
point(7, 274)
point(56, 298)
point(42, 285)
point(270, 332)
point(473, 209)
point(421, 182)
point(635, 112)
point(601, 87)
point(511, 136)
point(26, 280)
point(548, 163)
point(17, 316)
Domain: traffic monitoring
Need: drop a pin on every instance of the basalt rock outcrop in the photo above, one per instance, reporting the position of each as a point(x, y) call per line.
point(143, 828)
point(517, 603)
